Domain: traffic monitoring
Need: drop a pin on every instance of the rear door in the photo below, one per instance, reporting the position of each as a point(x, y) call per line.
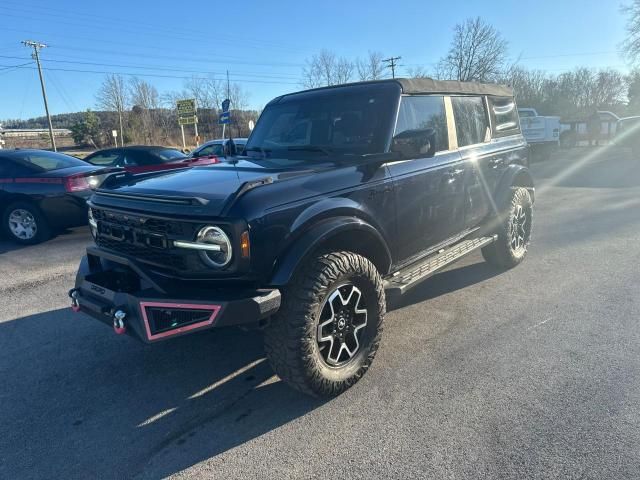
point(488, 132)
point(429, 191)
point(473, 136)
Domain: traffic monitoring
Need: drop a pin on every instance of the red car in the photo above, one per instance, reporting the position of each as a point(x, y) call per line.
point(141, 159)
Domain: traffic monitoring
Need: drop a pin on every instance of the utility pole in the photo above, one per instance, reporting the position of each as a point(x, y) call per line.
point(36, 56)
point(392, 64)
point(229, 97)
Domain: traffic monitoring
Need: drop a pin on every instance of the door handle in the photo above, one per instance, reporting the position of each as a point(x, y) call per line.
point(496, 162)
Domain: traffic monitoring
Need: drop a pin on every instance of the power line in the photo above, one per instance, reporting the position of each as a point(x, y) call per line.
point(36, 56)
point(392, 64)
point(162, 68)
point(114, 25)
point(137, 74)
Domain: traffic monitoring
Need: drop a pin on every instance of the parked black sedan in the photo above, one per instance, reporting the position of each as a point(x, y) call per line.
point(42, 191)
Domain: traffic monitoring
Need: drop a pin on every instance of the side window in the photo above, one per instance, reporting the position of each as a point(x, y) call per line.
point(106, 159)
point(472, 126)
point(504, 116)
point(418, 112)
point(132, 158)
point(215, 149)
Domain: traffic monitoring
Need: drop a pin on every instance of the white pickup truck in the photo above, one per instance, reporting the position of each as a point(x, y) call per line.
point(542, 133)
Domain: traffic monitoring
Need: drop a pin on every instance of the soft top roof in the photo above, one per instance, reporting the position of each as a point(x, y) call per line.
point(428, 85)
point(422, 85)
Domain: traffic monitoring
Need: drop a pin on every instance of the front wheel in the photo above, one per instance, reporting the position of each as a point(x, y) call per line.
point(328, 329)
point(514, 231)
point(24, 223)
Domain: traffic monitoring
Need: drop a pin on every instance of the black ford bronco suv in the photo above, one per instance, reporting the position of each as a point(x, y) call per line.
point(344, 197)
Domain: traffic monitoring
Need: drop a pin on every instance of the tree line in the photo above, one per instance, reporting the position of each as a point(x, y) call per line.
point(141, 115)
point(479, 52)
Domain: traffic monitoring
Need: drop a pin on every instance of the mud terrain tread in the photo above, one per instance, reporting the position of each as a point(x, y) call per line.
point(290, 338)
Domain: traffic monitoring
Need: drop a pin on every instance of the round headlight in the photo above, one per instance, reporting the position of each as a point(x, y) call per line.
point(215, 236)
point(93, 225)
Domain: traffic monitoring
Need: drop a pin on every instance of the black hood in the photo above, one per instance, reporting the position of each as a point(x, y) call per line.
point(208, 189)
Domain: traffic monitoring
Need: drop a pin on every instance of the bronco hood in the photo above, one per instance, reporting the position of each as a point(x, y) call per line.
point(200, 190)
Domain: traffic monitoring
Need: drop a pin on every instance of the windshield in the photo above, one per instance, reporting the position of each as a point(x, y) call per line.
point(308, 127)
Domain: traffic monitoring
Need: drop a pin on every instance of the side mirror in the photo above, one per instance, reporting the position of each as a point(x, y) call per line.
point(418, 143)
point(230, 149)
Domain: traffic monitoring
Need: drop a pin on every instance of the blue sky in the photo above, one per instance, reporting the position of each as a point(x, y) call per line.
point(264, 44)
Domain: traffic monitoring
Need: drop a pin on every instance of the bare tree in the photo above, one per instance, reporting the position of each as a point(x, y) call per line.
point(112, 96)
point(631, 44)
point(419, 72)
point(325, 69)
point(371, 67)
point(477, 53)
point(146, 101)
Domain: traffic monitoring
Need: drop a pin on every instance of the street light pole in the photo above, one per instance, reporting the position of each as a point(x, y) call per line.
point(36, 49)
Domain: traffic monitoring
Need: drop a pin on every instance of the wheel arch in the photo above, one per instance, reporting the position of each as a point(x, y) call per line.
point(515, 176)
point(337, 233)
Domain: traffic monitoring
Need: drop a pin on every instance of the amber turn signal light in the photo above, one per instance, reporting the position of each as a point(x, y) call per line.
point(245, 246)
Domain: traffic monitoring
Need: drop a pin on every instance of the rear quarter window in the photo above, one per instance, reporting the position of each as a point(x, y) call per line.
point(472, 125)
point(504, 116)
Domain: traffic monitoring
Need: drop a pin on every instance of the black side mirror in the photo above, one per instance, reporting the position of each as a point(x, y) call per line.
point(418, 143)
point(230, 149)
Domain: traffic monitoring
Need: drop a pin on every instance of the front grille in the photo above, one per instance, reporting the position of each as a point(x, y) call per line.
point(159, 257)
point(154, 225)
point(146, 239)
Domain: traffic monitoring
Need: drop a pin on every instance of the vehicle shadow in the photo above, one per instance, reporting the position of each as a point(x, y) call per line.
point(78, 401)
point(599, 167)
point(7, 246)
point(473, 271)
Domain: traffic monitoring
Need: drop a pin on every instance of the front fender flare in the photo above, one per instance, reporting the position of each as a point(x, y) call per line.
point(323, 232)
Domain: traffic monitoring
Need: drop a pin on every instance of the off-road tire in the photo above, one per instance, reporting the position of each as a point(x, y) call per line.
point(291, 341)
point(502, 253)
point(43, 230)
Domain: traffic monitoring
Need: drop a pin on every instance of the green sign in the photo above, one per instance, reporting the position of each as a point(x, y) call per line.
point(187, 120)
point(186, 108)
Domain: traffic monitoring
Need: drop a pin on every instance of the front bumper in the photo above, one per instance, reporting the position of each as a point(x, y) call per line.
point(116, 291)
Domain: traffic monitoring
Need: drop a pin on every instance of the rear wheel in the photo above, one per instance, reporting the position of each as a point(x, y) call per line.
point(24, 223)
point(514, 231)
point(326, 334)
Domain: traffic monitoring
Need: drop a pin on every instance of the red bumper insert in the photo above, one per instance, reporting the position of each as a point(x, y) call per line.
point(163, 319)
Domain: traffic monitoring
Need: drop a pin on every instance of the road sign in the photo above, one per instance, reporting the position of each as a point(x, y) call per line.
point(251, 125)
point(186, 108)
point(225, 118)
point(114, 133)
point(192, 120)
point(225, 105)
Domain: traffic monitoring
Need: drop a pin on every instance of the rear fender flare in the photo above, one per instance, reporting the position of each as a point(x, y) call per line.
point(514, 176)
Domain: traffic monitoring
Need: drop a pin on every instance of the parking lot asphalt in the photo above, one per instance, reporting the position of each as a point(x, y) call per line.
point(530, 373)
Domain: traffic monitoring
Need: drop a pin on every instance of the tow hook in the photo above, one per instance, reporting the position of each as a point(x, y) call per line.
point(119, 325)
point(75, 303)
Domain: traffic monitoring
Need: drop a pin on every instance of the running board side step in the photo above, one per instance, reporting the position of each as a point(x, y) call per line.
point(412, 275)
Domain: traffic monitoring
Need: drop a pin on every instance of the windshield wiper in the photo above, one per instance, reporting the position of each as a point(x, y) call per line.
point(309, 148)
point(263, 151)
